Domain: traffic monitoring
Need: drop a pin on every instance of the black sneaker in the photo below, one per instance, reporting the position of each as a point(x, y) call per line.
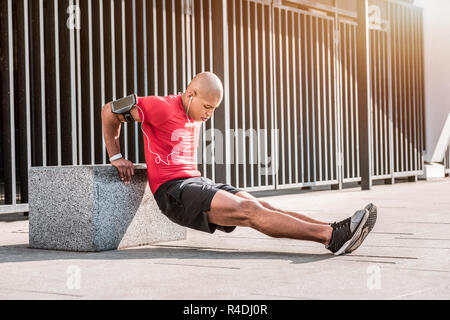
point(347, 233)
point(366, 228)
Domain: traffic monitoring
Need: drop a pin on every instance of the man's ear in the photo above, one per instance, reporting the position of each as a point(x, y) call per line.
point(192, 93)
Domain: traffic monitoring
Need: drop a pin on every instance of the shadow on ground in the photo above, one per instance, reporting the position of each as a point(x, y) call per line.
point(22, 253)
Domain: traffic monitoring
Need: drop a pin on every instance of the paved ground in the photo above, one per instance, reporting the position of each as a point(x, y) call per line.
point(407, 256)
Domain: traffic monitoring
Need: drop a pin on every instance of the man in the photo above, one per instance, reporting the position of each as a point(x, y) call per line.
point(171, 126)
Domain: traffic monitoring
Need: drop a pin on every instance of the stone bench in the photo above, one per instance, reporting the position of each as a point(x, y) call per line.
point(88, 208)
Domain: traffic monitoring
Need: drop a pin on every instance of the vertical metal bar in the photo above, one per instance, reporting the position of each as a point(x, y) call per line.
point(155, 51)
point(221, 63)
point(213, 124)
point(407, 91)
point(416, 90)
point(78, 92)
point(337, 94)
point(42, 62)
point(263, 24)
point(280, 38)
point(391, 74)
point(124, 72)
point(144, 35)
point(300, 76)
point(202, 39)
point(396, 107)
point(313, 102)
point(351, 106)
point(274, 132)
point(144, 38)
point(346, 103)
point(12, 143)
point(380, 103)
point(27, 80)
point(365, 126)
point(202, 62)
point(330, 82)
point(73, 94)
point(113, 53)
point(414, 87)
point(308, 154)
point(288, 109)
point(294, 76)
point(204, 155)
point(102, 70)
point(410, 93)
point(402, 92)
point(134, 125)
point(250, 94)
point(165, 57)
point(319, 106)
point(57, 83)
point(257, 95)
point(236, 114)
point(91, 84)
point(335, 106)
point(421, 87)
point(373, 95)
point(376, 94)
point(288, 94)
point(188, 42)
point(183, 51)
point(412, 50)
point(243, 97)
point(340, 93)
point(324, 101)
point(174, 47)
point(355, 63)
point(385, 104)
point(193, 48)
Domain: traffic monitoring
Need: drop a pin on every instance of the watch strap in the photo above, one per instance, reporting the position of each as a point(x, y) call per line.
point(128, 117)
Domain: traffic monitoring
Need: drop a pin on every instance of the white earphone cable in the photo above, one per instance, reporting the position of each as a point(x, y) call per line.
point(158, 157)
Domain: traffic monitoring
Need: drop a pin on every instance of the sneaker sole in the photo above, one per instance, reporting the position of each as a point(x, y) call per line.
point(372, 215)
point(355, 236)
point(366, 229)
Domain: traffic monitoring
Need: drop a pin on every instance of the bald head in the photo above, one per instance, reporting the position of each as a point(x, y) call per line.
point(202, 96)
point(208, 85)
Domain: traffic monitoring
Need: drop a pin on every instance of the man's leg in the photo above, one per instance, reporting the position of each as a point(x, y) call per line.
point(269, 206)
point(231, 210)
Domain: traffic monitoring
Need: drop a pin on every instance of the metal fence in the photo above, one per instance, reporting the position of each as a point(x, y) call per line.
point(408, 89)
point(290, 112)
point(304, 87)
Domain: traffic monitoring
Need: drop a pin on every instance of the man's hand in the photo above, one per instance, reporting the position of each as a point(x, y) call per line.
point(125, 168)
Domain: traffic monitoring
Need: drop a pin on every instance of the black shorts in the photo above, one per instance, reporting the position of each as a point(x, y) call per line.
point(185, 202)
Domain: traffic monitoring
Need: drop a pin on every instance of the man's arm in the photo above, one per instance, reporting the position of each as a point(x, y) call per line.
point(111, 124)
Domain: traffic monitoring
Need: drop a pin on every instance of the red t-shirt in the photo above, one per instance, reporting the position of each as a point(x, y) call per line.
point(170, 141)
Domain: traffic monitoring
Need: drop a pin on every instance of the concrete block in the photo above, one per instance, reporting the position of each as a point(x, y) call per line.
point(88, 208)
point(433, 171)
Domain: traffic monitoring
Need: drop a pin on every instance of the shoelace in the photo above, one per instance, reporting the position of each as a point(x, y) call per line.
point(343, 223)
point(342, 233)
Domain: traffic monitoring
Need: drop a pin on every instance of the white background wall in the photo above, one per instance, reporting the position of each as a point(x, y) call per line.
point(437, 75)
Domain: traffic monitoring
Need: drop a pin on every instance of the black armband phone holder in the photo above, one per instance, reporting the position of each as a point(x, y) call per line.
point(124, 106)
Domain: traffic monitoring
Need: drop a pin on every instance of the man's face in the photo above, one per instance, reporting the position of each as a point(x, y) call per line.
point(203, 106)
